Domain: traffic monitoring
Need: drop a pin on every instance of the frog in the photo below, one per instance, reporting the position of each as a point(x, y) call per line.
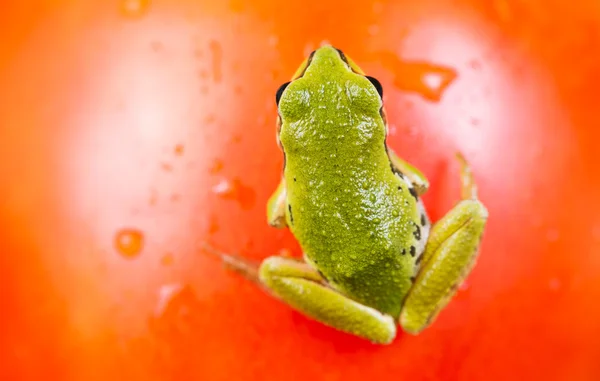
point(373, 262)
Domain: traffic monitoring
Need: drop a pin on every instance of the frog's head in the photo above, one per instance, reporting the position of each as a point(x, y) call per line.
point(328, 84)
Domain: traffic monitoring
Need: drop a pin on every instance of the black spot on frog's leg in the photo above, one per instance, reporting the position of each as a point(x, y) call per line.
point(423, 219)
point(399, 188)
point(403, 251)
point(413, 192)
point(294, 179)
point(417, 232)
point(413, 278)
point(413, 251)
point(291, 215)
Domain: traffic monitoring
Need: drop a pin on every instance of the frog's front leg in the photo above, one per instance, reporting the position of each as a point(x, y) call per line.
point(304, 289)
point(276, 206)
point(449, 256)
point(415, 176)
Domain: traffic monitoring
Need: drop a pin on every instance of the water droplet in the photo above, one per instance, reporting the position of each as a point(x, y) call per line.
point(129, 242)
point(365, 185)
point(376, 220)
point(165, 296)
point(178, 312)
point(222, 187)
point(217, 58)
point(353, 256)
point(427, 79)
point(395, 213)
point(357, 216)
point(286, 253)
point(179, 149)
point(237, 191)
point(134, 8)
point(373, 198)
point(167, 259)
point(216, 166)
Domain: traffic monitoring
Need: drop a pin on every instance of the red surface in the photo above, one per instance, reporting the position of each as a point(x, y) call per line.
point(157, 119)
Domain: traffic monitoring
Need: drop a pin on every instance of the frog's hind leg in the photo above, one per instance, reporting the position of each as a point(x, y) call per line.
point(304, 289)
point(449, 256)
point(299, 285)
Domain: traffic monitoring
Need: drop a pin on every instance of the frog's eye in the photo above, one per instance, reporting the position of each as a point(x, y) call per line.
point(377, 85)
point(280, 91)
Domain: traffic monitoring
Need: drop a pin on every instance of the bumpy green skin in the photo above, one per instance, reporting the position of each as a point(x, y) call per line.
point(353, 205)
point(351, 214)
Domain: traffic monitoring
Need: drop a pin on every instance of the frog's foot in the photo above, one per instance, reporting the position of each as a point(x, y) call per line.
point(304, 289)
point(242, 266)
point(449, 256)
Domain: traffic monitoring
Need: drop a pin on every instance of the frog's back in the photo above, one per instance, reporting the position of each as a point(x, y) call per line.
point(357, 221)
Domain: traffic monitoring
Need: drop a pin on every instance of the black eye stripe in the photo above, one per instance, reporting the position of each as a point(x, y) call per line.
point(377, 85)
point(280, 91)
point(342, 56)
point(310, 58)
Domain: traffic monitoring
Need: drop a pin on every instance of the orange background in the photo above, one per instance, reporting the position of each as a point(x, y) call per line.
point(130, 132)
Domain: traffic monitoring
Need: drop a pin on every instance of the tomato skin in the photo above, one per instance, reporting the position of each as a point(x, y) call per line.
point(157, 120)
